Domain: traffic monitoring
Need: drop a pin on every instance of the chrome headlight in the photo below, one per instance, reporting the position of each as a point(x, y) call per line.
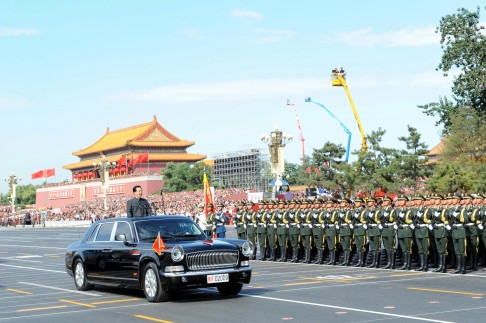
point(177, 253)
point(247, 248)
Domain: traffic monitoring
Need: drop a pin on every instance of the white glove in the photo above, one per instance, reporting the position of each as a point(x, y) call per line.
point(370, 215)
point(337, 227)
point(380, 227)
point(430, 227)
point(356, 215)
point(314, 215)
point(365, 226)
point(248, 217)
point(279, 215)
point(395, 227)
point(217, 217)
point(448, 227)
point(341, 215)
point(420, 213)
point(412, 226)
point(351, 226)
point(287, 226)
point(480, 227)
point(234, 225)
point(274, 225)
point(437, 214)
point(244, 225)
point(455, 214)
point(302, 215)
point(291, 215)
point(298, 226)
point(386, 214)
point(254, 225)
point(310, 226)
point(401, 214)
point(264, 225)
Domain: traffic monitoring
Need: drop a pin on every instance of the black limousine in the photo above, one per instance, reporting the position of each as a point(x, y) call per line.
point(120, 252)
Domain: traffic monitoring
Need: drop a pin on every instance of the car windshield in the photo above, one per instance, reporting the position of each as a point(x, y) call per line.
point(169, 229)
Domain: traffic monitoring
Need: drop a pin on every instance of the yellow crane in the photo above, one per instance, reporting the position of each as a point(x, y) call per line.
point(338, 78)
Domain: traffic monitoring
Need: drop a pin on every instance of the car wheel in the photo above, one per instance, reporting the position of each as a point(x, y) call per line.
point(151, 285)
point(230, 289)
point(80, 276)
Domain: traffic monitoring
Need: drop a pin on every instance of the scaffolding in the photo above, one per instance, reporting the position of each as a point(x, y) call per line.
point(249, 169)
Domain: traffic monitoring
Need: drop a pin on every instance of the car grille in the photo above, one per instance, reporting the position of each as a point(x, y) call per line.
point(212, 259)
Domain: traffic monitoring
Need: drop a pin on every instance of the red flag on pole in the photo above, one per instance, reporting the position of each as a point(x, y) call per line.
point(158, 245)
point(316, 170)
point(308, 170)
point(44, 173)
point(208, 197)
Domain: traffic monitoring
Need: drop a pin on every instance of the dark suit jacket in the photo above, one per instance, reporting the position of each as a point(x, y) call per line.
point(138, 207)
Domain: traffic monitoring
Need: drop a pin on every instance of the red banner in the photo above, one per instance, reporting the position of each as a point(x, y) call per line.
point(44, 173)
point(208, 197)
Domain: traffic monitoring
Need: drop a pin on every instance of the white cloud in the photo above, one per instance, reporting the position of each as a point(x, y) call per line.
point(9, 104)
point(272, 36)
point(406, 37)
point(7, 31)
point(189, 32)
point(246, 16)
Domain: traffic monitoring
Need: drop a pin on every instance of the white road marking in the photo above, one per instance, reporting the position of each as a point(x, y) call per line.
point(36, 269)
point(61, 289)
point(347, 309)
point(30, 246)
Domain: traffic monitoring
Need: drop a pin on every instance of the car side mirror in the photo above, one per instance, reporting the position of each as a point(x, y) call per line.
point(123, 238)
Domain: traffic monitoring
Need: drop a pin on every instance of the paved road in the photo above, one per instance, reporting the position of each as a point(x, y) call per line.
point(34, 287)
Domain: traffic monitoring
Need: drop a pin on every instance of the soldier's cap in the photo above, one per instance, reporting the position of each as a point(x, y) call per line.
point(418, 198)
point(402, 197)
point(388, 198)
point(359, 199)
point(480, 196)
point(436, 197)
point(249, 203)
point(200, 205)
point(317, 201)
point(467, 196)
point(294, 202)
point(240, 203)
point(281, 202)
point(273, 202)
point(456, 197)
point(210, 204)
point(330, 201)
point(370, 199)
point(220, 204)
point(305, 201)
point(261, 202)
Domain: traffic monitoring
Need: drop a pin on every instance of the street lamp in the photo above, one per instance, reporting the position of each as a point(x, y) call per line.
point(104, 167)
point(276, 141)
point(12, 181)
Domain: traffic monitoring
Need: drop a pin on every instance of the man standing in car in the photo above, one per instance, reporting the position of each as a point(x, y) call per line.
point(138, 206)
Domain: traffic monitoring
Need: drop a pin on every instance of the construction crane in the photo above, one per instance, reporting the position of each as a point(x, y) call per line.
point(338, 78)
point(348, 132)
point(301, 135)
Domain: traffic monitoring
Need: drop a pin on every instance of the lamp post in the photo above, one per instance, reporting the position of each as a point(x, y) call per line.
point(12, 181)
point(276, 141)
point(104, 167)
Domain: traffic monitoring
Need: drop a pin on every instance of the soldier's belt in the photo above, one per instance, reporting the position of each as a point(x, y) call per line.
point(422, 225)
point(470, 224)
point(344, 224)
point(389, 224)
point(281, 224)
point(319, 225)
point(457, 225)
point(294, 224)
point(373, 225)
point(306, 224)
point(404, 225)
point(261, 225)
point(440, 225)
point(240, 224)
point(359, 225)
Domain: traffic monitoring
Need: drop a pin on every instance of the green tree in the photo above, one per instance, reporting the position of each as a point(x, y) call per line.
point(326, 160)
point(464, 51)
point(409, 163)
point(184, 176)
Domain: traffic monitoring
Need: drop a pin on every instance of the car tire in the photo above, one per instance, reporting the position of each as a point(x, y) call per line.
point(230, 289)
point(80, 280)
point(151, 284)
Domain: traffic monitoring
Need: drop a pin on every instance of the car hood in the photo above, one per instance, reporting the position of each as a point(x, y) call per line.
point(198, 245)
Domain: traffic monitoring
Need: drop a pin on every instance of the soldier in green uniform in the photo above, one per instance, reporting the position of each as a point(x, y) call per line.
point(210, 221)
point(318, 230)
point(330, 230)
point(261, 229)
point(373, 222)
point(472, 215)
point(294, 230)
point(239, 221)
point(404, 230)
point(457, 219)
point(272, 221)
point(306, 228)
point(283, 221)
point(359, 231)
point(423, 220)
point(480, 202)
point(251, 225)
point(388, 216)
point(345, 225)
point(440, 223)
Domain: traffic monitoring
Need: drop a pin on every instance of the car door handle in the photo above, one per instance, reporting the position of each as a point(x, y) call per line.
point(107, 250)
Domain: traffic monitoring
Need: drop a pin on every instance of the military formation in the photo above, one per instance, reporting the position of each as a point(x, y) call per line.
point(443, 232)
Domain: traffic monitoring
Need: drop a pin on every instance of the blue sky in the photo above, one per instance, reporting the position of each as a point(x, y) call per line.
point(216, 72)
